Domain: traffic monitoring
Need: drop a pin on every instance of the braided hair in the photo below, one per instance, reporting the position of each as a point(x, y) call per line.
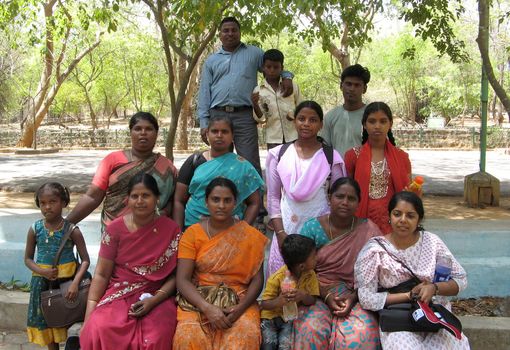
point(57, 188)
point(376, 107)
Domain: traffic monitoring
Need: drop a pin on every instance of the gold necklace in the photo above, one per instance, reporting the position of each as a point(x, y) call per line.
point(207, 226)
point(342, 234)
point(135, 226)
point(50, 232)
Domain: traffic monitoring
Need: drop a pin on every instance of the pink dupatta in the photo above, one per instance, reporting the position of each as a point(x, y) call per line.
point(301, 186)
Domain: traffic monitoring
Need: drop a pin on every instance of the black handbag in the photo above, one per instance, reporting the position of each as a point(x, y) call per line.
point(59, 312)
point(415, 316)
point(398, 318)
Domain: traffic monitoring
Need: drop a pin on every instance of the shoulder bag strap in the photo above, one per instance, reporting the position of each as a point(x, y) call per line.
point(63, 241)
point(283, 149)
point(396, 259)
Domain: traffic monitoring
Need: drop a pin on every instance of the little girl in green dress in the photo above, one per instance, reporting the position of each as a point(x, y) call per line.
point(46, 235)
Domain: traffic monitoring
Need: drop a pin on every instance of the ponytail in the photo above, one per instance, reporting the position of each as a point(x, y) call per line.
point(364, 136)
point(391, 138)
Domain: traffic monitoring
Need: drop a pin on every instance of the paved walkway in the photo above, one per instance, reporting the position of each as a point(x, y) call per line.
point(15, 340)
point(444, 171)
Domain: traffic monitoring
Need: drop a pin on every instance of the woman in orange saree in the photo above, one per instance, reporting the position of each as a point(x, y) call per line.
point(220, 249)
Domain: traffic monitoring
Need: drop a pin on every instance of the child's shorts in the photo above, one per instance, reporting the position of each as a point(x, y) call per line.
point(276, 334)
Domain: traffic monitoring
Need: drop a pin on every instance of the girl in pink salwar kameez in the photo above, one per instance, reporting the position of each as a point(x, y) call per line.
point(299, 180)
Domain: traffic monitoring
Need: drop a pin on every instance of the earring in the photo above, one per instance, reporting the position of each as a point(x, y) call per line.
point(389, 221)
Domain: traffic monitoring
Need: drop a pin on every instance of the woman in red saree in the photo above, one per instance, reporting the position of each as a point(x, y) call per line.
point(220, 249)
point(116, 170)
point(338, 322)
point(380, 168)
point(130, 303)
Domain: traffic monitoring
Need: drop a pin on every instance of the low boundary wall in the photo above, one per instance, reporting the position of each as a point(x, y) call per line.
point(463, 138)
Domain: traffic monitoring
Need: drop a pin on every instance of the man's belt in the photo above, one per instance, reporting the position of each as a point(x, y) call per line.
point(232, 109)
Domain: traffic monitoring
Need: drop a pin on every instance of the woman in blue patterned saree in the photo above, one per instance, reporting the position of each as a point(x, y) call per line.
point(200, 168)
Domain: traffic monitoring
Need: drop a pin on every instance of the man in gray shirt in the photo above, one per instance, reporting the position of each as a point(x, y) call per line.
point(342, 125)
point(228, 79)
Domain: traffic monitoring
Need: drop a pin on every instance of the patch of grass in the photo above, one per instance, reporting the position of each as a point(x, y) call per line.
point(15, 284)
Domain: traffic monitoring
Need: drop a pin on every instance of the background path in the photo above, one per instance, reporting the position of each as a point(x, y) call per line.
point(444, 171)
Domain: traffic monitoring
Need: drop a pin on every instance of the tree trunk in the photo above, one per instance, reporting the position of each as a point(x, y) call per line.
point(181, 140)
point(342, 54)
point(492, 108)
point(176, 101)
point(27, 138)
point(36, 102)
point(93, 118)
point(412, 106)
point(483, 45)
point(187, 112)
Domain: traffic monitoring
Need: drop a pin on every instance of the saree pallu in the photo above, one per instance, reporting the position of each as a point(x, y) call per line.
point(230, 166)
point(233, 257)
point(115, 201)
point(143, 261)
point(317, 327)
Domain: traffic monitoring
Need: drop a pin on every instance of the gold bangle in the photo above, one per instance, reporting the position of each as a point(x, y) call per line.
point(436, 292)
point(280, 231)
point(161, 291)
point(92, 300)
point(326, 297)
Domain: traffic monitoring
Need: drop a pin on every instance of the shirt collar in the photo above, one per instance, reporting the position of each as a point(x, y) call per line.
point(265, 84)
point(225, 52)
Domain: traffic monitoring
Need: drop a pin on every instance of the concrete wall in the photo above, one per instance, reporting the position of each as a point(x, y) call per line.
point(14, 225)
point(483, 248)
point(465, 138)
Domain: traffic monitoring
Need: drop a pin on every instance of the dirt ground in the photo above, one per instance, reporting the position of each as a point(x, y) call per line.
point(436, 207)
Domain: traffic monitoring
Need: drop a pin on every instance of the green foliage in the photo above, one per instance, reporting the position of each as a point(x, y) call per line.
point(132, 77)
point(497, 136)
point(417, 80)
point(406, 68)
point(433, 20)
point(315, 73)
point(15, 284)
